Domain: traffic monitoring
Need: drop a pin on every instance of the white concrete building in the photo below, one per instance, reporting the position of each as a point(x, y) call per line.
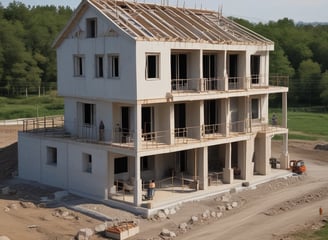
point(182, 95)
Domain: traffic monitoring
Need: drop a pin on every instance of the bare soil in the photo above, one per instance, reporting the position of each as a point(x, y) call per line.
point(272, 210)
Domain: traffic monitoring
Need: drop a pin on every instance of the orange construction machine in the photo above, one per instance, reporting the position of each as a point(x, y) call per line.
point(297, 166)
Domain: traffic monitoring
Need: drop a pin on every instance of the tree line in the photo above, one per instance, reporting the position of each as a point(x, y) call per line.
point(301, 52)
point(28, 60)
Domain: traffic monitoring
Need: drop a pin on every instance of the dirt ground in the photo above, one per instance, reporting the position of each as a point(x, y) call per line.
point(273, 210)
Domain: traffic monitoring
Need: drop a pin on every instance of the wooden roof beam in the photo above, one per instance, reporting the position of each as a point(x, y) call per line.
point(171, 23)
point(158, 22)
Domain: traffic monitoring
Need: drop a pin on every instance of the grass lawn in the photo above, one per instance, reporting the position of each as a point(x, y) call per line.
point(13, 108)
point(307, 126)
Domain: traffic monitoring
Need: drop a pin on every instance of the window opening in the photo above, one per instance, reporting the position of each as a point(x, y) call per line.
point(99, 66)
point(88, 117)
point(87, 163)
point(114, 66)
point(178, 71)
point(180, 120)
point(91, 27)
point(233, 71)
point(255, 68)
point(209, 72)
point(51, 156)
point(255, 108)
point(78, 66)
point(121, 165)
point(211, 116)
point(147, 123)
point(152, 66)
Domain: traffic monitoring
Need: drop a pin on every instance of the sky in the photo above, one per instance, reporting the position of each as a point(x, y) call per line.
point(251, 10)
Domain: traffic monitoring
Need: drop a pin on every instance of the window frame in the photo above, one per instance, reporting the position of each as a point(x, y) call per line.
point(52, 156)
point(92, 114)
point(157, 66)
point(79, 65)
point(91, 26)
point(99, 59)
point(123, 167)
point(87, 163)
point(114, 66)
point(258, 116)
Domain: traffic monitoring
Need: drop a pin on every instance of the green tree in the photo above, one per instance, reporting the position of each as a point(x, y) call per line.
point(309, 74)
point(324, 87)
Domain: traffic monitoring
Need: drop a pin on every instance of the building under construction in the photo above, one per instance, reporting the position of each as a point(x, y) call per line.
point(155, 92)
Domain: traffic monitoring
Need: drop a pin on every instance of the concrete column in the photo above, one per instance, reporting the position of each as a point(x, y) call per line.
point(247, 76)
point(227, 170)
point(284, 158)
point(284, 110)
point(137, 126)
point(225, 72)
point(263, 153)
point(228, 116)
point(201, 119)
point(138, 182)
point(248, 151)
point(171, 124)
point(111, 175)
point(202, 156)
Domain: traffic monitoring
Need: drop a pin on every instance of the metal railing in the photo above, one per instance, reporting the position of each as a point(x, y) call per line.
point(279, 81)
point(236, 83)
point(197, 84)
point(43, 124)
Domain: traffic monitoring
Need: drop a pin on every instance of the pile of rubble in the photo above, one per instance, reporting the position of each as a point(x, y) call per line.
point(225, 205)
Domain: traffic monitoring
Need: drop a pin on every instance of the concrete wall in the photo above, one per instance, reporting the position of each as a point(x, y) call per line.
point(89, 86)
point(68, 173)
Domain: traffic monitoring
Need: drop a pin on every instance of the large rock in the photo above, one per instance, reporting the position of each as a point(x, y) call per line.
point(84, 234)
point(194, 219)
point(167, 233)
point(100, 228)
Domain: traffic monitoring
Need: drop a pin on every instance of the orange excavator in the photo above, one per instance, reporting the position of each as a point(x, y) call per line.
point(297, 166)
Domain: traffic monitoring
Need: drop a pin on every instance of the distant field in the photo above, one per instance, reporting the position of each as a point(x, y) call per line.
point(13, 108)
point(308, 126)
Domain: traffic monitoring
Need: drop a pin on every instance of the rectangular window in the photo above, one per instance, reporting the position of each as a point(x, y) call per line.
point(91, 28)
point(121, 165)
point(51, 156)
point(99, 66)
point(114, 67)
point(147, 163)
point(152, 66)
point(255, 68)
point(78, 66)
point(88, 114)
point(255, 108)
point(87, 163)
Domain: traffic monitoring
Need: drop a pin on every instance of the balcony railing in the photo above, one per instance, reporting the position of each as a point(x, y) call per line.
point(53, 126)
point(197, 84)
point(279, 81)
point(234, 83)
point(43, 124)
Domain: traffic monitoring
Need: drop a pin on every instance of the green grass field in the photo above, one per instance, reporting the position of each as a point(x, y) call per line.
point(307, 126)
point(13, 108)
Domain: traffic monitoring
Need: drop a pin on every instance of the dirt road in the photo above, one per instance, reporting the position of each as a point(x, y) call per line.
point(273, 215)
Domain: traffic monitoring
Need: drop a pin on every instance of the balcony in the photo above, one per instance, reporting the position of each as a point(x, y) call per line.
point(197, 85)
